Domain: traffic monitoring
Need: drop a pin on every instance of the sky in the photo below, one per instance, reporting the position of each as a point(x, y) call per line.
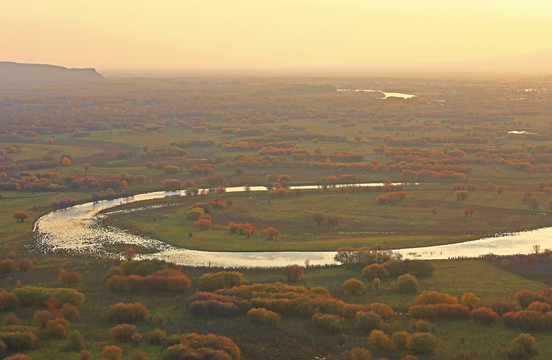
point(190, 34)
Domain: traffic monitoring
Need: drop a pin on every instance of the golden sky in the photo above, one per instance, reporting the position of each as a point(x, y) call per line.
point(180, 34)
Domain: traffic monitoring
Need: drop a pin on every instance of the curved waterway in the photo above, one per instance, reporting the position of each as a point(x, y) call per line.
point(77, 230)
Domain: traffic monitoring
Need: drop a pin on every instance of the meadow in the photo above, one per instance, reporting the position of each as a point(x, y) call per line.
point(465, 177)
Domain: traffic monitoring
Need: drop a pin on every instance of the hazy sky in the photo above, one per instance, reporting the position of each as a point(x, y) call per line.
point(178, 34)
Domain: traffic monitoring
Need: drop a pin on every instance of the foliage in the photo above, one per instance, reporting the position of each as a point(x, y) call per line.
point(8, 300)
point(523, 346)
point(331, 324)
point(368, 321)
point(407, 284)
point(111, 352)
point(39, 296)
point(422, 343)
point(164, 280)
point(127, 313)
point(378, 339)
point(354, 287)
point(202, 347)
point(123, 332)
point(294, 273)
point(263, 316)
point(220, 280)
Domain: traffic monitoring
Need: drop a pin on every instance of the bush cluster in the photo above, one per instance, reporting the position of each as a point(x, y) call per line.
point(220, 280)
point(160, 280)
point(127, 313)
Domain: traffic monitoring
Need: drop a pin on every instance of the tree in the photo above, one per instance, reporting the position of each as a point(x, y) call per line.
point(20, 216)
point(332, 220)
point(318, 218)
point(203, 224)
point(271, 233)
point(500, 189)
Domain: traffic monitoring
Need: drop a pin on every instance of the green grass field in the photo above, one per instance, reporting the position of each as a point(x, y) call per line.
point(426, 217)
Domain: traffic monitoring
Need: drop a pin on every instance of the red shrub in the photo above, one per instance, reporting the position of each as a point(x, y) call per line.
point(485, 315)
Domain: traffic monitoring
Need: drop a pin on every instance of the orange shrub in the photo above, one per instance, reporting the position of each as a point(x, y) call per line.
point(127, 313)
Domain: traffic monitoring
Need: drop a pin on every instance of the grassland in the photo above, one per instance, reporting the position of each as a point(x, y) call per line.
point(121, 137)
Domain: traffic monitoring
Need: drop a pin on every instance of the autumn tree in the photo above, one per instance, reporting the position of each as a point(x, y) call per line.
point(271, 233)
point(20, 216)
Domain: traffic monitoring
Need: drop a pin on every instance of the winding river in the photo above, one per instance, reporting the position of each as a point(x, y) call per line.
point(76, 230)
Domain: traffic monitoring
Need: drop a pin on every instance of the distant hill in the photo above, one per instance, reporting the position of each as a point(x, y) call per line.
point(12, 73)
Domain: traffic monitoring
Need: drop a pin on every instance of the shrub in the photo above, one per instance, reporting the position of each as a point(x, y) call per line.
point(294, 273)
point(368, 321)
point(136, 338)
point(539, 307)
point(422, 311)
point(18, 357)
point(3, 349)
point(57, 328)
point(220, 280)
point(483, 314)
point(525, 297)
point(400, 340)
point(127, 313)
point(470, 300)
point(111, 352)
point(331, 324)
point(213, 308)
point(138, 355)
point(523, 347)
point(501, 307)
point(422, 343)
point(433, 297)
point(25, 264)
point(42, 317)
point(407, 284)
point(463, 354)
point(72, 278)
point(378, 339)
point(382, 310)
point(263, 316)
point(164, 280)
point(8, 300)
point(85, 355)
point(75, 340)
point(34, 295)
point(123, 332)
point(18, 340)
point(7, 266)
point(423, 326)
point(10, 319)
point(525, 319)
point(194, 346)
point(451, 311)
point(357, 353)
point(69, 312)
point(374, 271)
point(354, 287)
point(156, 337)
